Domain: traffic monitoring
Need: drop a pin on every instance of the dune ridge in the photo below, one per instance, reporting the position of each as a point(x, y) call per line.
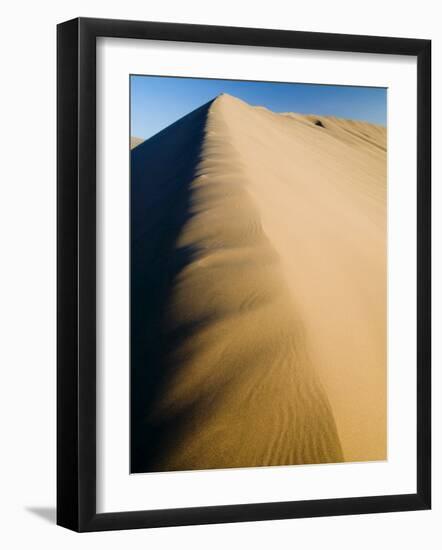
point(237, 365)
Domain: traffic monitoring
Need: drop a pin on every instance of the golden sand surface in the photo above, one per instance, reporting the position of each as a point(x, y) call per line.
point(134, 141)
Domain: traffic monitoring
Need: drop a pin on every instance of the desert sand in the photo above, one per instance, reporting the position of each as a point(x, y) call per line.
point(135, 141)
point(258, 306)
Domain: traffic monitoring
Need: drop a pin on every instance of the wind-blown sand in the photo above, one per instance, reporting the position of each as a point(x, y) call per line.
point(258, 307)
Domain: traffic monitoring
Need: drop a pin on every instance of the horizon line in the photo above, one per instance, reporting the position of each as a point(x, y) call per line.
point(282, 113)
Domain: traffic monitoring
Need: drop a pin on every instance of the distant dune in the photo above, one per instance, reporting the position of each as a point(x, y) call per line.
point(134, 141)
point(258, 306)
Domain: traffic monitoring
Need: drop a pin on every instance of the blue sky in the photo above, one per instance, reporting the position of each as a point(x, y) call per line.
point(157, 102)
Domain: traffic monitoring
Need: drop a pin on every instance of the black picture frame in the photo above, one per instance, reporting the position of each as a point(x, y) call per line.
point(76, 274)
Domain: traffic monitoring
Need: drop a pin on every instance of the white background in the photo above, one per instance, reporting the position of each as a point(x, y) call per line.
point(117, 490)
point(27, 292)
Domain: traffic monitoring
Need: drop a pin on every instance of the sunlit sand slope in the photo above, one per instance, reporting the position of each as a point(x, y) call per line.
point(134, 141)
point(258, 291)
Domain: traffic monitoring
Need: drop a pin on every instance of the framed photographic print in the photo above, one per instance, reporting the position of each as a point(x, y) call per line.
point(243, 274)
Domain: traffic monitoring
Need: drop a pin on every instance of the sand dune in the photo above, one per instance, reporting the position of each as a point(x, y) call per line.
point(135, 141)
point(258, 291)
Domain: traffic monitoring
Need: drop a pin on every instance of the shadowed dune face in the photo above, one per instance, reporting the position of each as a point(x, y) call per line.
point(162, 170)
point(243, 242)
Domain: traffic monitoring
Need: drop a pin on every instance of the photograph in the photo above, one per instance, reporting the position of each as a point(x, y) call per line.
point(220, 242)
point(258, 274)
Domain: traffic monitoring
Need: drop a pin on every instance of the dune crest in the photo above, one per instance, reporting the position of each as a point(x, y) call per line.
point(261, 326)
